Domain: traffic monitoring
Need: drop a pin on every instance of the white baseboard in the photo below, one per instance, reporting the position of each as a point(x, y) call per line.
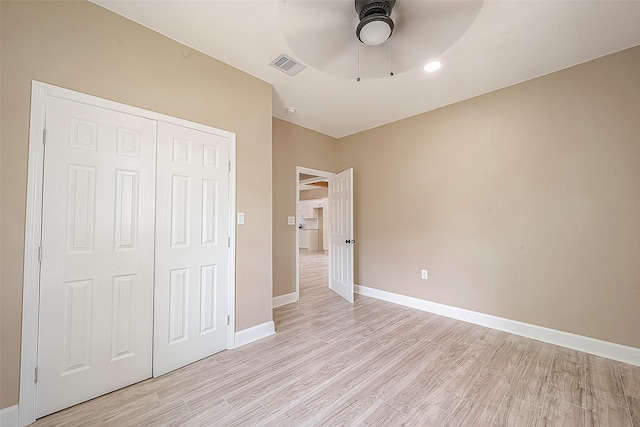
point(254, 333)
point(9, 416)
point(285, 299)
point(606, 349)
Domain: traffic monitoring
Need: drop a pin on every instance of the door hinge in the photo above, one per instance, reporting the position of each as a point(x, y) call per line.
point(44, 135)
point(228, 242)
point(228, 320)
point(35, 375)
point(39, 253)
point(229, 166)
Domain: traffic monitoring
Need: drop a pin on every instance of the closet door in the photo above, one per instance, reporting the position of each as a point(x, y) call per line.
point(192, 254)
point(96, 286)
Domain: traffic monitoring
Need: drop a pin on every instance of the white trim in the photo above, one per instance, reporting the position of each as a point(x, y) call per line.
point(285, 299)
point(39, 93)
point(231, 308)
point(606, 349)
point(9, 416)
point(255, 333)
point(33, 232)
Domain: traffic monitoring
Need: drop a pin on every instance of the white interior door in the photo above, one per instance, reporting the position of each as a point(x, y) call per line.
point(342, 240)
point(96, 286)
point(192, 232)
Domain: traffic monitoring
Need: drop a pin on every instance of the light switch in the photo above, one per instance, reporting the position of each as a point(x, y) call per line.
point(291, 220)
point(240, 217)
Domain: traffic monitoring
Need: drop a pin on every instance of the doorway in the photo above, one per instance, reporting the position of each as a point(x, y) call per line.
point(313, 223)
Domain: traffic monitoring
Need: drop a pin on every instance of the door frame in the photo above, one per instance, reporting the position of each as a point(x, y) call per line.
point(308, 171)
point(33, 226)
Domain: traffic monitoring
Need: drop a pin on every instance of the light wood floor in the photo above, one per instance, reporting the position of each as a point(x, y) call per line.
point(375, 363)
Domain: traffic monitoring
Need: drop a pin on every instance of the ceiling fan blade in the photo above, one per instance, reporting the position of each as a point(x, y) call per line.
point(321, 34)
point(426, 29)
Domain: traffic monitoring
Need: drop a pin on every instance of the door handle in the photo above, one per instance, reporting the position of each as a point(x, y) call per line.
point(352, 241)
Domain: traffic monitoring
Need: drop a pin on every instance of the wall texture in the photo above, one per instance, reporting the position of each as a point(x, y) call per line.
point(292, 146)
point(81, 46)
point(523, 203)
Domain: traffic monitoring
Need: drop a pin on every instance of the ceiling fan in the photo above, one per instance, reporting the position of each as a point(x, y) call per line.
point(374, 38)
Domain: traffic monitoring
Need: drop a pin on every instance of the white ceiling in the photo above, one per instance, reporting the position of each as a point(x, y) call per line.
point(489, 45)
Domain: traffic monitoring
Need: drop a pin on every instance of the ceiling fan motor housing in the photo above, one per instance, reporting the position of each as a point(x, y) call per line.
point(376, 25)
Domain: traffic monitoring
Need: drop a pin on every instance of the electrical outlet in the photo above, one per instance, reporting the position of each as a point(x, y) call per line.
point(425, 275)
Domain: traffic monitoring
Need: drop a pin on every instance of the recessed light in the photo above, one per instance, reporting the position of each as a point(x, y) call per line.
point(432, 66)
point(291, 110)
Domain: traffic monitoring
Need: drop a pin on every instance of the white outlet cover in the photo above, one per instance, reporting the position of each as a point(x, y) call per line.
point(240, 217)
point(424, 274)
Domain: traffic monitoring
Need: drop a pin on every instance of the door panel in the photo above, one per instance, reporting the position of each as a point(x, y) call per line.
point(341, 247)
point(192, 231)
point(96, 287)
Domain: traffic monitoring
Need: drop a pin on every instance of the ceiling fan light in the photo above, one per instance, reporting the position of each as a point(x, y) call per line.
point(376, 31)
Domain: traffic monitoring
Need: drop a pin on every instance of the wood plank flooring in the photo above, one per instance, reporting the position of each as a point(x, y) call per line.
point(375, 364)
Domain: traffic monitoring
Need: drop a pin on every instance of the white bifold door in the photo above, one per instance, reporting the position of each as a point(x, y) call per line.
point(192, 232)
point(342, 240)
point(134, 272)
point(96, 284)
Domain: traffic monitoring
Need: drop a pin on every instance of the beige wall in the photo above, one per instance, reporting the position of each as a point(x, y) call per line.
point(523, 203)
point(292, 146)
point(80, 46)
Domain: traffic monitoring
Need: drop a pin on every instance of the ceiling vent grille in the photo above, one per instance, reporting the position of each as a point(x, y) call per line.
point(287, 65)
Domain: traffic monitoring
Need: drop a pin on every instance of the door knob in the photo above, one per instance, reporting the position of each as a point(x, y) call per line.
point(350, 241)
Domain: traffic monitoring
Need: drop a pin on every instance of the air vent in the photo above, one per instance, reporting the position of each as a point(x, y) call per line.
point(287, 65)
